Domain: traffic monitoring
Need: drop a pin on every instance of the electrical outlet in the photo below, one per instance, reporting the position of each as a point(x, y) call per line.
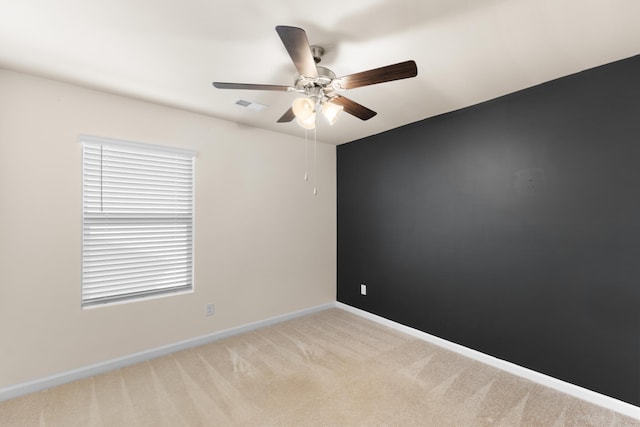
point(363, 289)
point(209, 309)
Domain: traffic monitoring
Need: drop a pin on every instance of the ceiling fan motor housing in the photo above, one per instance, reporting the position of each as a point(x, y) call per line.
point(320, 86)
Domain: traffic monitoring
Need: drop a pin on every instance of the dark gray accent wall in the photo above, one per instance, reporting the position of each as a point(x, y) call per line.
point(511, 227)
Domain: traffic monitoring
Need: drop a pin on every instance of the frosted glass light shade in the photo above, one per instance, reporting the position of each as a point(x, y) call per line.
point(309, 122)
point(303, 108)
point(331, 111)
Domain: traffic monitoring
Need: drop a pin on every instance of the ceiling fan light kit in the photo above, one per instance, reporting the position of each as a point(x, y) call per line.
point(319, 86)
point(303, 108)
point(331, 111)
point(307, 123)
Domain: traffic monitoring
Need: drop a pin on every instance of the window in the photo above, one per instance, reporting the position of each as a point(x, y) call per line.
point(137, 220)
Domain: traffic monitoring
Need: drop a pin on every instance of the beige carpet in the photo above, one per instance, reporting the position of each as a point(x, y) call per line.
point(331, 368)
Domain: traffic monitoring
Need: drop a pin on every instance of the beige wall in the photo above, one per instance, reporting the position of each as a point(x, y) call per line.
point(264, 245)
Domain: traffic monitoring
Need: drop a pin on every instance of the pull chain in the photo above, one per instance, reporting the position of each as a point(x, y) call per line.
point(315, 163)
point(306, 157)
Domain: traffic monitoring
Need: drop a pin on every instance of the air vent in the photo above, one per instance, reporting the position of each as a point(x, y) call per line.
point(255, 106)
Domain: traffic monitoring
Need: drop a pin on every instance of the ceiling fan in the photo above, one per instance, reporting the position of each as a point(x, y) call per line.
point(319, 85)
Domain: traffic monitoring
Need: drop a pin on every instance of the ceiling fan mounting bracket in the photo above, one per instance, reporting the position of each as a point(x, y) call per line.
point(317, 52)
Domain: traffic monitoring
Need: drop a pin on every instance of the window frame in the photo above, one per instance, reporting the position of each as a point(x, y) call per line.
point(175, 220)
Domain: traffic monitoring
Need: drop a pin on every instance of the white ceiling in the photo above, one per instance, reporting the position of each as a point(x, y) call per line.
point(467, 51)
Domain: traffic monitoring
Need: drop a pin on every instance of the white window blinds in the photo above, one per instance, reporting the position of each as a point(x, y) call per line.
point(137, 229)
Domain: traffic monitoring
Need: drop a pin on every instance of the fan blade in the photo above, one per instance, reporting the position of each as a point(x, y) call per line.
point(250, 86)
point(402, 70)
point(296, 43)
point(353, 108)
point(288, 116)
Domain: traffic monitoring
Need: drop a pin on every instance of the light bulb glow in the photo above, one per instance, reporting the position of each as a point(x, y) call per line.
point(303, 108)
point(331, 111)
point(308, 123)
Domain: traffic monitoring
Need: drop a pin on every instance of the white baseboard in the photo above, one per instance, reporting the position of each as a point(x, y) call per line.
point(110, 365)
point(551, 382)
